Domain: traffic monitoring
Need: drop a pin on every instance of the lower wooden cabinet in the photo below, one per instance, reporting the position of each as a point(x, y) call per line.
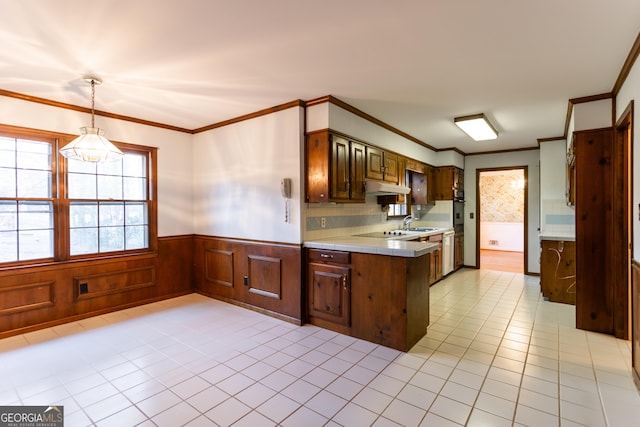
point(378, 298)
point(558, 271)
point(329, 287)
point(458, 251)
point(435, 269)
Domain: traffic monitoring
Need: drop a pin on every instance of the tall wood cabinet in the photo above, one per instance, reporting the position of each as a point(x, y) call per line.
point(595, 303)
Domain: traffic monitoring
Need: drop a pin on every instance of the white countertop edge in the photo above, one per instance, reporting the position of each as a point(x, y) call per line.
point(557, 236)
point(374, 246)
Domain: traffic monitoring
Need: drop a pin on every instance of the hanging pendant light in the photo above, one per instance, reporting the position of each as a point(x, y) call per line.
point(91, 145)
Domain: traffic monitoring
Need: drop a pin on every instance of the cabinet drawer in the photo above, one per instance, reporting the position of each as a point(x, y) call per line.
point(435, 238)
point(329, 256)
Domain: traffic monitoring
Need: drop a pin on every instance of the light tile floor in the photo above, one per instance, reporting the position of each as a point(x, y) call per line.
point(496, 354)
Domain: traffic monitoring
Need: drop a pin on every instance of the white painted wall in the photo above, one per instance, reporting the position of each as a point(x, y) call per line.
point(502, 236)
point(629, 92)
point(592, 115)
point(175, 201)
point(236, 178)
point(553, 182)
point(530, 158)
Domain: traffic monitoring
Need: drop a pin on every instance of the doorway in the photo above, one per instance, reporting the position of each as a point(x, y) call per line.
point(502, 219)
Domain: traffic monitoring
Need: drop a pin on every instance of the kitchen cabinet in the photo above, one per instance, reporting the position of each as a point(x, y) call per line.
point(435, 262)
point(558, 271)
point(571, 176)
point(458, 251)
point(449, 179)
point(595, 287)
point(379, 298)
point(329, 286)
point(335, 168)
point(419, 192)
point(382, 165)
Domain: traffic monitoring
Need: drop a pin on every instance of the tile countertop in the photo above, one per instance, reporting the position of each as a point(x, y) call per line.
point(379, 246)
point(558, 236)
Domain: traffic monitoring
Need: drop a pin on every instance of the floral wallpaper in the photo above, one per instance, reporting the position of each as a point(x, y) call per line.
point(502, 196)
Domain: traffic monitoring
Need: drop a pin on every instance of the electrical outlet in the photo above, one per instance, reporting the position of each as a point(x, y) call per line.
point(323, 222)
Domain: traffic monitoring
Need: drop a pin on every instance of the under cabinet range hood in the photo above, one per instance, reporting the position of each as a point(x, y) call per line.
point(378, 188)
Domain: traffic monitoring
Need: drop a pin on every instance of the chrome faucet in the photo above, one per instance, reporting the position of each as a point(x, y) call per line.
point(407, 221)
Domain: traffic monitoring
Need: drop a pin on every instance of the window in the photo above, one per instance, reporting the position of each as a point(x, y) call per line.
point(97, 209)
point(26, 202)
point(108, 205)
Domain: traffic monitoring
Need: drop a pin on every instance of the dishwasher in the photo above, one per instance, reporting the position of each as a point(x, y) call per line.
point(447, 252)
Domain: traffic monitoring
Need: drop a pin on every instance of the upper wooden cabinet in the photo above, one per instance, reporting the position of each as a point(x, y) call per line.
point(448, 180)
point(335, 168)
point(382, 165)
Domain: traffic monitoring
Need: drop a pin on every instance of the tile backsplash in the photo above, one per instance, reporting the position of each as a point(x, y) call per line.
point(355, 218)
point(557, 217)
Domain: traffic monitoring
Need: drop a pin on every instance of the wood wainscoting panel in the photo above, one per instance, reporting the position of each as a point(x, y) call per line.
point(265, 276)
point(218, 267)
point(26, 297)
point(262, 276)
point(101, 284)
point(36, 297)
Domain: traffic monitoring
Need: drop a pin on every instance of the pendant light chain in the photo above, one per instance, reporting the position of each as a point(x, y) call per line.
point(93, 101)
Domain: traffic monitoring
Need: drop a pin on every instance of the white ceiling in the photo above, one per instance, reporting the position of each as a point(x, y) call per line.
point(414, 64)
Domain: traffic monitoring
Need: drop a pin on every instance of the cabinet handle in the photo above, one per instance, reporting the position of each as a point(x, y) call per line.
point(326, 256)
point(344, 282)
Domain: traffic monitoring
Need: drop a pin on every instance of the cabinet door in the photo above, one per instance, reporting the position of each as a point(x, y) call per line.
point(358, 162)
point(418, 188)
point(458, 251)
point(391, 167)
point(402, 179)
point(430, 173)
point(339, 168)
point(444, 182)
point(374, 163)
point(329, 293)
point(318, 159)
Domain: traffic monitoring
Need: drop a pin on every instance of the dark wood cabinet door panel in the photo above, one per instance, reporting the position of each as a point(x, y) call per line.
point(329, 293)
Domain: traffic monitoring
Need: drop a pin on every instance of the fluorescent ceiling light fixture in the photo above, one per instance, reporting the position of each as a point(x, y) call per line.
point(477, 127)
point(91, 145)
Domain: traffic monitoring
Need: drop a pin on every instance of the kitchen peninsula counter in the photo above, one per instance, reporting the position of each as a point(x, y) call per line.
point(376, 289)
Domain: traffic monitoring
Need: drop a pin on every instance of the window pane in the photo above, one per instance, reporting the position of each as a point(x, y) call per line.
point(35, 216)
point(8, 152)
point(109, 187)
point(83, 215)
point(35, 244)
point(135, 214)
point(136, 237)
point(33, 183)
point(135, 188)
point(83, 241)
point(135, 165)
point(111, 239)
point(81, 186)
point(111, 214)
point(34, 155)
point(8, 246)
point(8, 216)
point(79, 166)
point(7, 182)
point(110, 168)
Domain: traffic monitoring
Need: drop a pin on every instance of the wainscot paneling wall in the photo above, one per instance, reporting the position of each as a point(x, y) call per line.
point(257, 275)
point(42, 296)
